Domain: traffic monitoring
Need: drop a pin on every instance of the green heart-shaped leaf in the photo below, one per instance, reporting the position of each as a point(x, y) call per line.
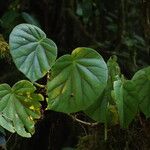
point(19, 107)
point(142, 81)
point(77, 81)
point(127, 101)
point(32, 52)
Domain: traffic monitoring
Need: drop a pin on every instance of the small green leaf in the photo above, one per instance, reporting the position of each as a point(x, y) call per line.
point(77, 81)
point(19, 107)
point(113, 69)
point(142, 81)
point(126, 100)
point(32, 52)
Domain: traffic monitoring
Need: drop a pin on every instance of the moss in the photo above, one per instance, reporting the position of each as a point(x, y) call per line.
point(4, 48)
point(91, 142)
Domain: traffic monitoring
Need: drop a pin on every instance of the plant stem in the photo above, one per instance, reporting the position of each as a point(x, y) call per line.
point(84, 122)
point(105, 131)
point(39, 85)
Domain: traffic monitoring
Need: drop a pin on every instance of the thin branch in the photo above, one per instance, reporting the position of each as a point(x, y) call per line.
point(84, 122)
point(9, 138)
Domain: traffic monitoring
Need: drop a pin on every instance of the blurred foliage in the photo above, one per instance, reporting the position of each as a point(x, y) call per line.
point(122, 29)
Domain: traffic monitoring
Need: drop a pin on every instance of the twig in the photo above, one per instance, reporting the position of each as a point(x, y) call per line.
point(84, 122)
point(9, 138)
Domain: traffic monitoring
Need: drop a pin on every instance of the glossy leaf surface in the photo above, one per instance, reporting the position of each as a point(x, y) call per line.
point(32, 52)
point(77, 81)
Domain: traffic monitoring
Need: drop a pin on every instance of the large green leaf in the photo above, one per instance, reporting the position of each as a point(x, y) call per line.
point(100, 110)
point(77, 80)
point(142, 81)
point(127, 101)
point(19, 106)
point(32, 52)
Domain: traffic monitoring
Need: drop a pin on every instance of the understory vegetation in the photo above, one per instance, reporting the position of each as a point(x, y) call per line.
point(75, 74)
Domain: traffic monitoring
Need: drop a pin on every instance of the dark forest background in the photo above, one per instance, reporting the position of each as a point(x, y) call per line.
point(112, 27)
